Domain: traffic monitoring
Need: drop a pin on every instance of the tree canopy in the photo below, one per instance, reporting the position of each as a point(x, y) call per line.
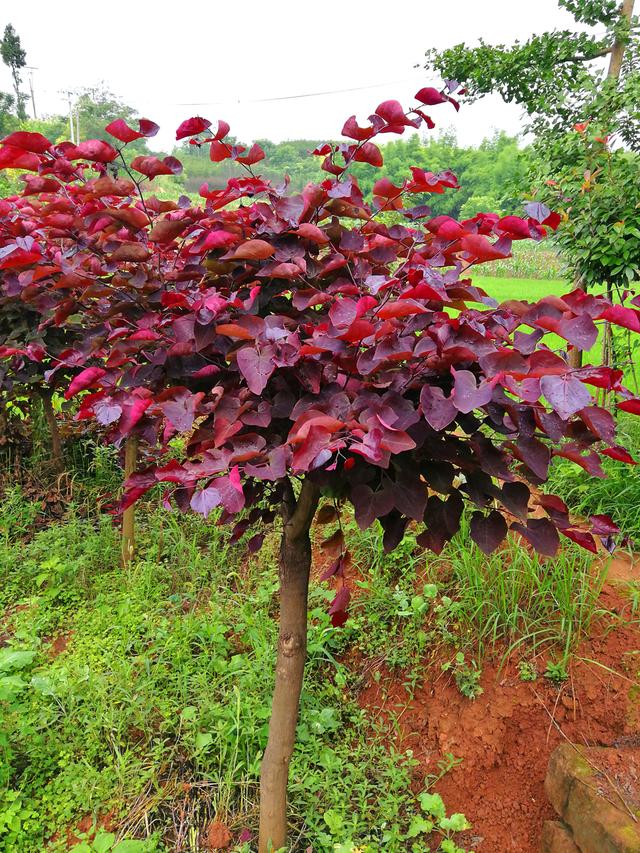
point(555, 76)
point(308, 354)
point(585, 115)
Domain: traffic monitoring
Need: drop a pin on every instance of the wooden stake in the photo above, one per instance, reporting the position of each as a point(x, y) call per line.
point(128, 516)
point(54, 432)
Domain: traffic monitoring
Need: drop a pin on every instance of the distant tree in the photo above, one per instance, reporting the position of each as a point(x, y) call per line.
point(556, 79)
point(8, 123)
point(7, 117)
point(477, 203)
point(552, 76)
point(497, 168)
point(55, 127)
point(97, 107)
point(15, 57)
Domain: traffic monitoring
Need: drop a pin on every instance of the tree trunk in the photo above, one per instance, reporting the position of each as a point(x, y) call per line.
point(613, 72)
point(128, 516)
point(295, 564)
point(54, 433)
point(574, 359)
point(619, 45)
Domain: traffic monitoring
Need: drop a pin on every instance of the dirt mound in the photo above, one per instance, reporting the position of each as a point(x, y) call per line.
point(506, 735)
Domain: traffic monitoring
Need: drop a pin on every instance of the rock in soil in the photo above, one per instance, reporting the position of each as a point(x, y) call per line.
point(557, 838)
point(595, 792)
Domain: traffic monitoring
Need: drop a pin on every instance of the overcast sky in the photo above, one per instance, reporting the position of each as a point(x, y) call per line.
point(164, 58)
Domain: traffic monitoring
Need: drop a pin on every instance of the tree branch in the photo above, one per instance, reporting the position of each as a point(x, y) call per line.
point(604, 52)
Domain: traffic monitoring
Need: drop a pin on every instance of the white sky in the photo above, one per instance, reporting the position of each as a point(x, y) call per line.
point(159, 56)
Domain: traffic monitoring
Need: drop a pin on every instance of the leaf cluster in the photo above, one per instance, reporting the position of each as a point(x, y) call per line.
point(292, 337)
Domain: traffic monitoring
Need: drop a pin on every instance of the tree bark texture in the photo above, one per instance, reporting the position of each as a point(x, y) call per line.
point(619, 45)
point(295, 565)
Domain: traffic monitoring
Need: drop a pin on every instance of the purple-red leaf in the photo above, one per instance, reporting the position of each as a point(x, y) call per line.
point(467, 394)
point(541, 534)
point(192, 127)
point(28, 141)
point(256, 367)
point(566, 394)
point(629, 318)
point(603, 525)
point(619, 454)
point(338, 607)
point(122, 131)
point(438, 410)
point(488, 531)
point(85, 379)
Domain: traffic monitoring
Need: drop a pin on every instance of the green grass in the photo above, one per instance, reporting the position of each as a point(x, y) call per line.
point(157, 709)
point(529, 260)
point(518, 600)
point(510, 601)
point(618, 495)
point(529, 289)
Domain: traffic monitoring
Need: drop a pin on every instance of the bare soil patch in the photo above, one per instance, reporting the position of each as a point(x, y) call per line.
point(506, 735)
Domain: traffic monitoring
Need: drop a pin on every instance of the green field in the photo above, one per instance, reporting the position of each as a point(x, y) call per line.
point(529, 289)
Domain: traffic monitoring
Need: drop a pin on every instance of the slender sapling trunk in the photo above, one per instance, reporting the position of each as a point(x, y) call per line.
point(295, 564)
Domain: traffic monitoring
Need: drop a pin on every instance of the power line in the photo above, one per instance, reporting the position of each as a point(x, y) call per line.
point(229, 102)
point(293, 97)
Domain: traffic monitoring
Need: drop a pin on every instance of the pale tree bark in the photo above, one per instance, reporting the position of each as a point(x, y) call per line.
point(295, 565)
point(613, 72)
point(619, 45)
point(128, 516)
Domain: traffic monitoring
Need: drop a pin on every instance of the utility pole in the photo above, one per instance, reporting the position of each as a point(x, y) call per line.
point(72, 139)
point(31, 69)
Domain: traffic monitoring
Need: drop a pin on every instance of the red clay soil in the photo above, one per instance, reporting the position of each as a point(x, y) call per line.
point(506, 735)
point(617, 776)
point(216, 837)
point(88, 826)
point(59, 645)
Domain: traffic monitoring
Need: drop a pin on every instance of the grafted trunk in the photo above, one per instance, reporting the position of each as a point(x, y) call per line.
point(54, 433)
point(295, 564)
point(128, 516)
